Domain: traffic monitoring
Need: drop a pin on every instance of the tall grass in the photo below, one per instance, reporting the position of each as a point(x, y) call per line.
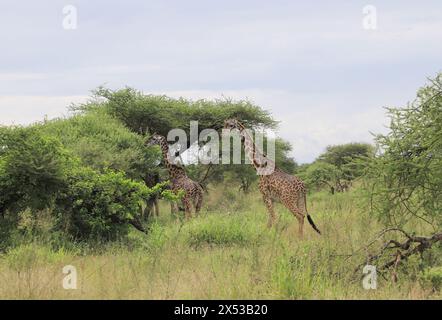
point(225, 254)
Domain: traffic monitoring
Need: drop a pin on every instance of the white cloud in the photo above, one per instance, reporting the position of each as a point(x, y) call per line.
point(19, 76)
point(22, 110)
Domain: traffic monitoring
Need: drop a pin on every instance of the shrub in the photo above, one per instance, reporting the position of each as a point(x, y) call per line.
point(102, 142)
point(98, 205)
point(33, 167)
point(432, 277)
point(37, 173)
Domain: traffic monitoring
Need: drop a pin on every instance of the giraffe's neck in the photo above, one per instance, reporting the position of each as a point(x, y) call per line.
point(173, 169)
point(257, 159)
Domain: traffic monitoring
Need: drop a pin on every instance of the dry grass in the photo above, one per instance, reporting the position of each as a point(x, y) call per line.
point(224, 254)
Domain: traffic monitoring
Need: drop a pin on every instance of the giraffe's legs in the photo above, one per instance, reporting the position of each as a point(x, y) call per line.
point(298, 215)
point(173, 207)
point(300, 226)
point(269, 204)
point(198, 203)
point(187, 208)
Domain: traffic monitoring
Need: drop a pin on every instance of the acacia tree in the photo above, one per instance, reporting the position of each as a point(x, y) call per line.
point(338, 166)
point(159, 113)
point(346, 158)
point(406, 178)
point(404, 181)
point(320, 174)
point(145, 113)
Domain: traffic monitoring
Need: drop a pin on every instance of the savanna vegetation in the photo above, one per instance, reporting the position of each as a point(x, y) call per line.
point(74, 192)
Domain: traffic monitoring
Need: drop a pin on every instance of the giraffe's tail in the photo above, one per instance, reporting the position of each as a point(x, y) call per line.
point(309, 218)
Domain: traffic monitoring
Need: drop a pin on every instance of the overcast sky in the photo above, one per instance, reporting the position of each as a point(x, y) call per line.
point(314, 66)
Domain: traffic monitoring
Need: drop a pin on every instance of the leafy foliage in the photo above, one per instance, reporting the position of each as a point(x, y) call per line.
point(160, 114)
point(150, 113)
point(341, 155)
point(37, 172)
point(338, 166)
point(33, 167)
point(98, 205)
point(345, 157)
point(432, 277)
point(320, 174)
point(406, 179)
point(102, 142)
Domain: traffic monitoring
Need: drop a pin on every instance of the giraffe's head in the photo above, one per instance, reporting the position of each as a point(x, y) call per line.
point(155, 139)
point(233, 124)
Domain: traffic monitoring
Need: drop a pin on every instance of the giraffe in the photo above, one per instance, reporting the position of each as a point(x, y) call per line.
point(193, 193)
point(277, 184)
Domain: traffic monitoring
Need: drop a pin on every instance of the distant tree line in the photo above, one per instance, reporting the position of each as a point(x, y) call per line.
point(338, 167)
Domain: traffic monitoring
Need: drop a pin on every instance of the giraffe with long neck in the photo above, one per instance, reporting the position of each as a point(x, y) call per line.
point(274, 183)
point(193, 192)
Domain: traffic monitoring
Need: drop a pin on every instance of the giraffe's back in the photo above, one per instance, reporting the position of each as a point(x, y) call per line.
point(188, 185)
point(282, 186)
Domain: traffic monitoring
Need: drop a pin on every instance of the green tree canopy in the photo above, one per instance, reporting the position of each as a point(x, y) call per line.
point(103, 142)
point(343, 157)
point(320, 174)
point(338, 166)
point(143, 113)
point(160, 114)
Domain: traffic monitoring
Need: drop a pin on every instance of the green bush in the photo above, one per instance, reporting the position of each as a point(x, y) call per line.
point(102, 142)
point(432, 277)
point(33, 167)
point(37, 172)
point(98, 205)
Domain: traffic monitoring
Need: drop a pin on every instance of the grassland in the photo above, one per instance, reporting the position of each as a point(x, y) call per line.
point(226, 253)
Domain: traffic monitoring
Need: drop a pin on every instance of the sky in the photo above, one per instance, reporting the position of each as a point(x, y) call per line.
point(314, 65)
